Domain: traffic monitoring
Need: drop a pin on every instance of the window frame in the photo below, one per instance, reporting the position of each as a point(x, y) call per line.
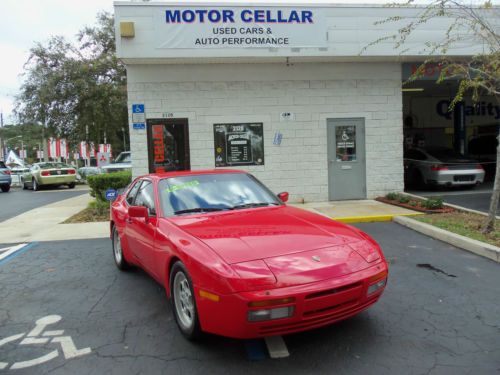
point(143, 181)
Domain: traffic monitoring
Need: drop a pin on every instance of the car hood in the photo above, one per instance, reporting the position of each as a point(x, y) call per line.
point(270, 233)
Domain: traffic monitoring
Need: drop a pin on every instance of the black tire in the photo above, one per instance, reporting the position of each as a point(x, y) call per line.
point(191, 330)
point(35, 185)
point(25, 187)
point(118, 256)
point(5, 188)
point(71, 185)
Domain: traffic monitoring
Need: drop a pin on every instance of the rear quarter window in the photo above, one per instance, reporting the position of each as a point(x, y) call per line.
point(2, 164)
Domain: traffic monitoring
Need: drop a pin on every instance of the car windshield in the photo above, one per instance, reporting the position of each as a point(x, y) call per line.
point(53, 165)
point(212, 192)
point(124, 157)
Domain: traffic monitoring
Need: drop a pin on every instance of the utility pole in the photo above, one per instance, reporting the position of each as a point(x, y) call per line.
point(124, 141)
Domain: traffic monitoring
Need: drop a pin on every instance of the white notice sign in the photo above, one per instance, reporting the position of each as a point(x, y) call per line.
point(240, 27)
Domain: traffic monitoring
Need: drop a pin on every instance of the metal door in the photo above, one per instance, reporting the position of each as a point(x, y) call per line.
point(346, 159)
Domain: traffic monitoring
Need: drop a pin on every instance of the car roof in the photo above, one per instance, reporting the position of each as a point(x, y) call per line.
point(162, 175)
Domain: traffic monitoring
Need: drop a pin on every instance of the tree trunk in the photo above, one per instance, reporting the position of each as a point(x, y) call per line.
point(489, 224)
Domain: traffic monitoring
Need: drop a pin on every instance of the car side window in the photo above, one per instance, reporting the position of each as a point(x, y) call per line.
point(133, 192)
point(415, 155)
point(145, 197)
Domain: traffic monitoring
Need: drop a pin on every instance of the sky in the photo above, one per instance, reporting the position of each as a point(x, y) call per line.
point(25, 22)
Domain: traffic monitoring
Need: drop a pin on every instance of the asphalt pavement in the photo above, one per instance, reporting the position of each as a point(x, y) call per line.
point(477, 198)
point(18, 201)
point(440, 314)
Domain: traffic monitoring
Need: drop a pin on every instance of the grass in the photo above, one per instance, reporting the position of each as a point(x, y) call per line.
point(465, 224)
point(94, 212)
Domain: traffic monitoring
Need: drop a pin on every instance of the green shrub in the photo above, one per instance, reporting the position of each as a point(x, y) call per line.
point(100, 207)
point(392, 196)
point(433, 203)
point(403, 199)
point(99, 183)
point(413, 203)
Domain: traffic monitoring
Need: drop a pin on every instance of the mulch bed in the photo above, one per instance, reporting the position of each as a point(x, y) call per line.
point(418, 207)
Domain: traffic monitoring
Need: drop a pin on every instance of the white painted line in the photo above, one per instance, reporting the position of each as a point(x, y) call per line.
point(33, 340)
point(277, 347)
point(36, 361)
point(68, 347)
point(5, 248)
point(12, 250)
point(54, 333)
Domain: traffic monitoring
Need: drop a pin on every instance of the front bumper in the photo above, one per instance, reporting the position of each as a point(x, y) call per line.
point(316, 305)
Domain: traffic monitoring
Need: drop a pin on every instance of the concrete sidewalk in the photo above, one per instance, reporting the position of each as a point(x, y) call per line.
point(357, 211)
point(44, 223)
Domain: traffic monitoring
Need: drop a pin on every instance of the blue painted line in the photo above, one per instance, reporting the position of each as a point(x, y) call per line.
point(18, 252)
point(256, 350)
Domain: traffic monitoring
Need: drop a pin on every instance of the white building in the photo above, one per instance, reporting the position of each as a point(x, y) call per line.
point(281, 91)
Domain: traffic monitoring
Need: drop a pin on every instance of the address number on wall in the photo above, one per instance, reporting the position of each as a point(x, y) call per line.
point(168, 115)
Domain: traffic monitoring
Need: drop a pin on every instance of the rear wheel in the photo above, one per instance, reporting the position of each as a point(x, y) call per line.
point(183, 302)
point(5, 188)
point(71, 185)
point(35, 185)
point(120, 261)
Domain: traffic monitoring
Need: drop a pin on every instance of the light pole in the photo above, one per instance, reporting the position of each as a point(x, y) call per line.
point(124, 141)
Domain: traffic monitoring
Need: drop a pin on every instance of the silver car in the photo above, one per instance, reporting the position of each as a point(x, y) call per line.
point(440, 166)
point(5, 178)
point(122, 163)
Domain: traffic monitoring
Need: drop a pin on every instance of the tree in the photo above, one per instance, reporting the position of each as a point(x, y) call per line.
point(477, 75)
point(71, 87)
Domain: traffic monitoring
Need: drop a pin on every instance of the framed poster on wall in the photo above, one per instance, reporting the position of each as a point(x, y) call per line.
point(239, 144)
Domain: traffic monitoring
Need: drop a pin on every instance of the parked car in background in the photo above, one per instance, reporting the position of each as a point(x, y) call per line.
point(122, 163)
point(84, 172)
point(484, 149)
point(237, 261)
point(5, 178)
point(440, 166)
point(49, 174)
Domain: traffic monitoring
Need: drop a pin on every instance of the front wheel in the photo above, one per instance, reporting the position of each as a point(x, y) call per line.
point(120, 261)
point(183, 302)
point(5, 188)
point(35, 185)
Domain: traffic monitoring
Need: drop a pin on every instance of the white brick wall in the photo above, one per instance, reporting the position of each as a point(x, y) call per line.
point(217, 93)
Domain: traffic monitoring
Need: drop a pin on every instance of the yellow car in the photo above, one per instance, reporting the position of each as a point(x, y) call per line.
point(49, 174)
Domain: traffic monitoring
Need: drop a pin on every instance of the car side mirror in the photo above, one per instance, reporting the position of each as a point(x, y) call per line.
point(138, 211)
point(283, 196)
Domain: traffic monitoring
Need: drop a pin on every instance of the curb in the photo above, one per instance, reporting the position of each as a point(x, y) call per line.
point(468, 244)
point(460, 208)
point(370, 218)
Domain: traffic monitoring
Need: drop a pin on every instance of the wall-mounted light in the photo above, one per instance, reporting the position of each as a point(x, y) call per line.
point(127, 29)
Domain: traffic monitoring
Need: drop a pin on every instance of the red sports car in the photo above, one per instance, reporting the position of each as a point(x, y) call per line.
point(238, 262)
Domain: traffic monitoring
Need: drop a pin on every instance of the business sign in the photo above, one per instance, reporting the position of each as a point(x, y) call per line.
point(238, 144)
point(238, 27)
point(138, 116)
point(110, 194)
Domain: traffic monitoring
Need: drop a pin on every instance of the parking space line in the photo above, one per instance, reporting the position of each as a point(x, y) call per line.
point(276, 347)
point(15, 251)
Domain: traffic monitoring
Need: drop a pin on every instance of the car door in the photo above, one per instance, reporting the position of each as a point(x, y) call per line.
point(140, 232)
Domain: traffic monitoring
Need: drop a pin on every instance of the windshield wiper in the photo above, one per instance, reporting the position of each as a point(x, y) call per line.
point(199, 209)
point(252, 205)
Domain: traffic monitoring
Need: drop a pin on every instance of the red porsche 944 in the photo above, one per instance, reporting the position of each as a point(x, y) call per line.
point(237, 261)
